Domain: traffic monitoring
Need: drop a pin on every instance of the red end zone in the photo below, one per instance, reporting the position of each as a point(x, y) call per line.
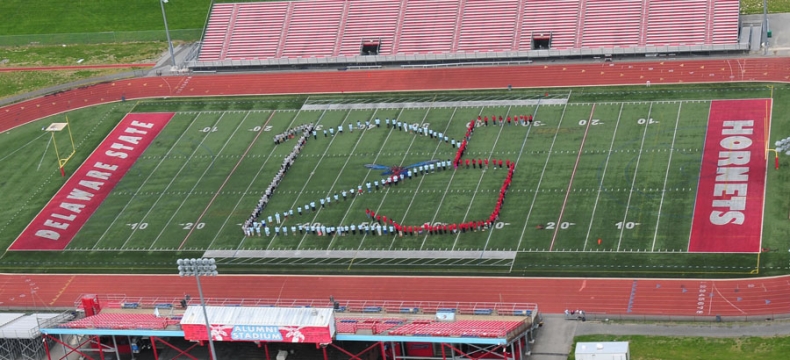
point(55, 226)
point(728, 214)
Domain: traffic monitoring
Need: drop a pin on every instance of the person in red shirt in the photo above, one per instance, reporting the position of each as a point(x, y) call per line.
point(467, 163)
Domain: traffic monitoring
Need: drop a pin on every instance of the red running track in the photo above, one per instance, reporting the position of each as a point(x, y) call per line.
point(612, 296)
point(751, 297)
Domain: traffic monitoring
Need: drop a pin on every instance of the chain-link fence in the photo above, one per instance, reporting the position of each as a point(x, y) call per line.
point(100, 37)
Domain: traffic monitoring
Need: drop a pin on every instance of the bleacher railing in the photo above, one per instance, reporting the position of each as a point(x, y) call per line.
point(347, 306)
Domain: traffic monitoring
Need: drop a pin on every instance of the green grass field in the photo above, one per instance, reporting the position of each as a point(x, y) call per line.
point(682, 348)
point(633, 188)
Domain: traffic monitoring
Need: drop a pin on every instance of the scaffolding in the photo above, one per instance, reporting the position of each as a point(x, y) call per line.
point(20, 337)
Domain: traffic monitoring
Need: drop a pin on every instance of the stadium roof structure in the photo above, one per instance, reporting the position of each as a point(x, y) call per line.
point(486, 327)
point(322, 32)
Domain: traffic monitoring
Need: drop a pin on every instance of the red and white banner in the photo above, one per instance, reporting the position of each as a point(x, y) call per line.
point(291, 334)
point(728, 214)
point(60, 220)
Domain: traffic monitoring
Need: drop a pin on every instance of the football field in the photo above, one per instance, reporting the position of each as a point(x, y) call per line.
point(614, 176)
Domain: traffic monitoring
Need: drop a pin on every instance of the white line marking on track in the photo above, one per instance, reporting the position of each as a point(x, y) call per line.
point(666, 178)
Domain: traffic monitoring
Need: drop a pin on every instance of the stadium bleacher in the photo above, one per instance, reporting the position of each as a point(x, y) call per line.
point(369, 20)
point(668, 26)
point(614, 23)
point(257, 30)
point(335, 30)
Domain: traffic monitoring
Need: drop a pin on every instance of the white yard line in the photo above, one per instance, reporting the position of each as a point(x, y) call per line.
point(422, 178)
point(339, 173)
point(603, 176)
point(249, 186)
point(666, 177)
point(438, 145)
point(405, 155)
point(323, 155)
point(24, 146)
point(540, 179)
point(42, 155)
point(518, 158)
point(354, 198)
point(225, 182)
point(701, 159)
point(172, 180)
point(151, 174)
point(441, 201)
point(570, 183)
point(482, 174)
point(205, 171)
point(633, 181)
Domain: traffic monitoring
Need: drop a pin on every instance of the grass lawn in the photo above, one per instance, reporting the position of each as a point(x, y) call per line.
point(86, 16)
point(694, 348)
point(756, 6)
point(13, 83)
point(177, 177)
point(52, 55)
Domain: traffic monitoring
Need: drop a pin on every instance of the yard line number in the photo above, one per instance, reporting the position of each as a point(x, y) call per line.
point(627, 225)
point(138, 226)
point(563, 225)
point(593, 122)
point(189, 226)
point(646, 121)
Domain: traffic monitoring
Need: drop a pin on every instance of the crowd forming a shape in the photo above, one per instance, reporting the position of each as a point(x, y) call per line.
point(379, 224)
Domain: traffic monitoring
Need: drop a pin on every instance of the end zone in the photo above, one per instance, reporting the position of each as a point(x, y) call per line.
point(728, 213)
point(63, 216)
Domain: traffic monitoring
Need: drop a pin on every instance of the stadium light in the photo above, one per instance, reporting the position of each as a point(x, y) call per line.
point(198, 268)
point(167, 32)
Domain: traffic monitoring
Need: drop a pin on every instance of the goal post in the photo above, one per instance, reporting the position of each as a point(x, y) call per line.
point(63, 153)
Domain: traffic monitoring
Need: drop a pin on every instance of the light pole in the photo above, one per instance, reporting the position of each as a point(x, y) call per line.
point(764, 35)
point(167, 32)
point(198, 268)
